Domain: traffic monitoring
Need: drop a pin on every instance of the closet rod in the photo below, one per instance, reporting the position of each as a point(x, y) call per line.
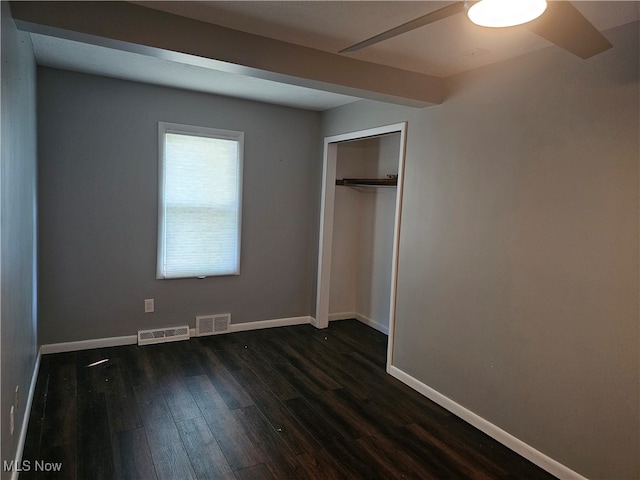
point(368, 182)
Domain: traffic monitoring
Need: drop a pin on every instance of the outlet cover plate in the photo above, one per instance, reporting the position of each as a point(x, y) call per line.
point(149, 305)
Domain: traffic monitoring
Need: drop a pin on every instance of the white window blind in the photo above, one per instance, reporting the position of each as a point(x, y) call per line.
point(200, 201)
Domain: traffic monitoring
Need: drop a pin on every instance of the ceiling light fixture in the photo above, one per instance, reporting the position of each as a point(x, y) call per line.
point(504, 13)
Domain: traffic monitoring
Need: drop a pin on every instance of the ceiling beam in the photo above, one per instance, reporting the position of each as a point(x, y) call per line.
point(138, 29)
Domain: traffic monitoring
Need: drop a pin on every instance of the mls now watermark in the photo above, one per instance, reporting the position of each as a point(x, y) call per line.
point(28, 466)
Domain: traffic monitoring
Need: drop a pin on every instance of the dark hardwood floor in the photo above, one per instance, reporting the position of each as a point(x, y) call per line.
point(285, 403)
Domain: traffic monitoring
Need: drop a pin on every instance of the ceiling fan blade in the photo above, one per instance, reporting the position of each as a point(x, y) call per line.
point(431, 17)
point(565, 26)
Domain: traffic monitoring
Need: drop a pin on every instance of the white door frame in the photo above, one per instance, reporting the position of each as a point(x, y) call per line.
point(321, 319)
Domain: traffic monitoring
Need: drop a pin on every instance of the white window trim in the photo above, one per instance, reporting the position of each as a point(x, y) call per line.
point(166, 127)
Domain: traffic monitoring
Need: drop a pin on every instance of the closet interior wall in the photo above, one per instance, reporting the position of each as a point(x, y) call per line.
point(363, 232)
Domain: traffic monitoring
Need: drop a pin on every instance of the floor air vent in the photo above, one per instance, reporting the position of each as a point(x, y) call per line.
point(212, 324)
point(161, 335)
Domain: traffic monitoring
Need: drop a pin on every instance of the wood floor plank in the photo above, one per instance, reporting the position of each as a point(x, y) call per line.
point(225, 384)
point(249, 355)
point(302, 381)
point(131, 456)
point(179, 401)
point(493, 455)
point(167, 450)
point(365, 417)
point(230, 390)
point(233, 356)
point(204, 452)
point(397, 463)
point(60, 431)
point(143, 365)
point(234, 443)
point(151, 402)
point(402, 396)
point(95, 457)
point(273, 380)
point(185, 359)
point(298, 360)
point(323, 359)
point(61, 406)
point(462, 461)
point(257, 472)
point(325, 431)
point(280, 461)
point(120, 397)
point(319, 466)
point(239, 451)
point(130, 356)
point(346, 420)
point(261, 344)
point(276, 414)
point(369, 343)
point(95, 377)
point(356, 462)
point(411, 441)
point(325, 337)
point(37, 418)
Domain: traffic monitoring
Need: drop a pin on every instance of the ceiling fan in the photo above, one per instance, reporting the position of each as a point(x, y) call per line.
point(561, 23)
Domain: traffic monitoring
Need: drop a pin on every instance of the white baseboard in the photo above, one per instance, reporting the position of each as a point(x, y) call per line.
point(133, 339)
point(373, 324)
point(313, 321)
point(527, 451)
point(88, 344)
point(25, 418)
point(278, 322)
point(341, 316)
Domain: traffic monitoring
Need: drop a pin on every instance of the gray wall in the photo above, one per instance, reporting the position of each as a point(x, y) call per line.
point(98, 181)
point(18, 229)
point(518, 271)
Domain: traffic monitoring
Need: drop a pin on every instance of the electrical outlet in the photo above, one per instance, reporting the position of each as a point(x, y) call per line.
point(149, 306)
point(16, 399)
point(12, 424)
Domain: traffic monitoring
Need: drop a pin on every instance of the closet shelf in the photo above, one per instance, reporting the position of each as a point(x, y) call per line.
point(369, 182)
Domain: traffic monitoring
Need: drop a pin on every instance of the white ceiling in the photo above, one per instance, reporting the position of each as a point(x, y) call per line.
point(442, 49)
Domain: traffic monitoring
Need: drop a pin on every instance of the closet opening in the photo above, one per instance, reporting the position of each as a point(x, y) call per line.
point(360, 228)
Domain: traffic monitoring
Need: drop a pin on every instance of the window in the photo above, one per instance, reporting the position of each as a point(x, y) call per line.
point(200, 199)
